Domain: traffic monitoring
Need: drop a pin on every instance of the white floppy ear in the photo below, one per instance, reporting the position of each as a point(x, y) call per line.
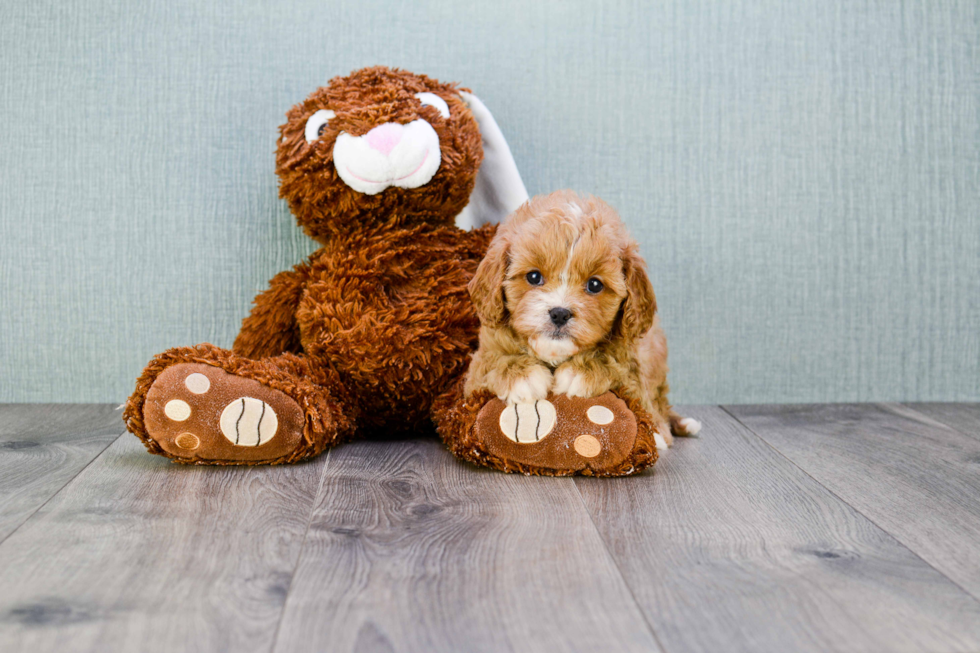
point(499, 189)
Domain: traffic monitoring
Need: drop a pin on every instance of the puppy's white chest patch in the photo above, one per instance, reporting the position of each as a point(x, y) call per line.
point(553, 351)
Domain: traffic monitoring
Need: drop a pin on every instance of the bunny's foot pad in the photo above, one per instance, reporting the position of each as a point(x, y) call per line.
point(557, 436)
point(198, 412)
point(562, 434)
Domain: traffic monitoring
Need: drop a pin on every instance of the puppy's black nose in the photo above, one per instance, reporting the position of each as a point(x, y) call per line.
point(559, 316)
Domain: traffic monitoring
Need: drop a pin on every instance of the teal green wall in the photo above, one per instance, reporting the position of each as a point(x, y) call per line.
point(803, 175)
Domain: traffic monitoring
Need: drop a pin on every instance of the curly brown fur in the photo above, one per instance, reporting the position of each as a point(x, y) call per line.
point(324, 205)
point(378, 322)
point(573, 255)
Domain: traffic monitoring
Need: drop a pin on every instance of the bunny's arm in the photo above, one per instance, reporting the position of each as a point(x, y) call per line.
point(271, 328)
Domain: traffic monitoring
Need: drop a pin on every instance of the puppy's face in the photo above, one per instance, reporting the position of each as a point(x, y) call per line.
point(569, 277)
point(564, 284)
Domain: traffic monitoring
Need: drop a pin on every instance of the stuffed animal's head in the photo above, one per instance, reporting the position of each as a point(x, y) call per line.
point(379, 146)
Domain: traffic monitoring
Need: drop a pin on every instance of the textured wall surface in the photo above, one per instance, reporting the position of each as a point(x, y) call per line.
point(803, 175)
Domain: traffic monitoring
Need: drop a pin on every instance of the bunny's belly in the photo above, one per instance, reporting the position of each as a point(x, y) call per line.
point(396, 342)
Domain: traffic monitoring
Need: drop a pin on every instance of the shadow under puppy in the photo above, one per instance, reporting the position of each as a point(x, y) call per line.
point(566, 307)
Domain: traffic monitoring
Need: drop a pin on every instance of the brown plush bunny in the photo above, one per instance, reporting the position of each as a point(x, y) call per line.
point(383, 168)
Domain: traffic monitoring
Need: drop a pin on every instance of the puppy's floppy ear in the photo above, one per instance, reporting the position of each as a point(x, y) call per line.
point(640, 305)
point(499, 188)
point(487, 285)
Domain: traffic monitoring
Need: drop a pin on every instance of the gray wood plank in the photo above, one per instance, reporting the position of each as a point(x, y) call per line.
point(411, 550)
point(42, 447)
point(965, 418)
point(728, 546)
point(914, 477)
point(138, 554)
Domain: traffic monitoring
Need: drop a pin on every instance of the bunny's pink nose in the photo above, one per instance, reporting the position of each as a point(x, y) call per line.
point(385, 137)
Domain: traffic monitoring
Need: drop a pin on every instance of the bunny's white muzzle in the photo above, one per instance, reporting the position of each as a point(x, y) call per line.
point(392, 154)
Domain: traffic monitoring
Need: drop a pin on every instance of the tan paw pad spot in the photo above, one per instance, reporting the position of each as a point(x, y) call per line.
point(197, 383)
point(187, 441)
point(177, 410)
point(529, 422)
point(599, 415)
point(587, 446)
point(248, 422)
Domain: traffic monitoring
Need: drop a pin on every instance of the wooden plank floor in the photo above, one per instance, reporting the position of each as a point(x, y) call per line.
point(914, 477)
point(782, 528)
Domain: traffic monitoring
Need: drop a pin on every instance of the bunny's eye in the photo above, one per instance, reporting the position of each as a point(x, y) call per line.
point(317, 123)
point(434, 101)
point(534, 278)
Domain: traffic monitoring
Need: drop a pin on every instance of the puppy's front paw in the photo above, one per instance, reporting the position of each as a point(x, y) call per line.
point(528, 388)
point(574, 382)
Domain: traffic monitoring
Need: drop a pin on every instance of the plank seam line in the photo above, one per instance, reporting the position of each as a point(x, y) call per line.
point(299, 554)
point(61, 489)
point(911, 407)
point(859, 512)
point(605, 545)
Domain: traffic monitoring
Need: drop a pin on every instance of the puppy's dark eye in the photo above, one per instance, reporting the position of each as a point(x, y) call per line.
point(594, 286)
point(534, 278)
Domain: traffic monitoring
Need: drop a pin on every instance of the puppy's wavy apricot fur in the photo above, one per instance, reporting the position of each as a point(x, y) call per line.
point(564, 252)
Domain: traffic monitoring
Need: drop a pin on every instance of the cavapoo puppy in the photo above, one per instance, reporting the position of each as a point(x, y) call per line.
point(566, 307)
